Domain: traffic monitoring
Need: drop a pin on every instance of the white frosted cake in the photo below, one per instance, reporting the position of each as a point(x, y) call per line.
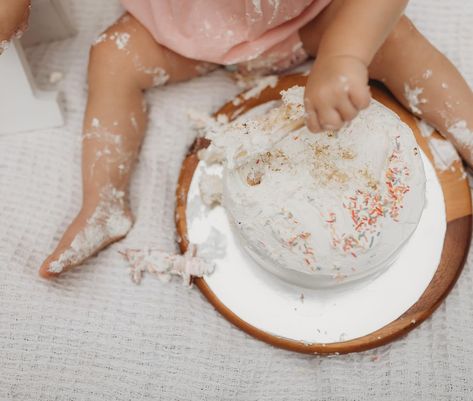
point(321, 209)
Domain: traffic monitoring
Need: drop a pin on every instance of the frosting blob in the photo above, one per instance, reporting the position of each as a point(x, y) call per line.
point(321, 210)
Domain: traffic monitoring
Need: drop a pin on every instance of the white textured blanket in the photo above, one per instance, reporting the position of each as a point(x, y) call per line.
point(93, 335)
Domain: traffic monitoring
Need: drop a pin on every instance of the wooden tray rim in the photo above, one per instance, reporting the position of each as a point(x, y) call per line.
point(456, 246)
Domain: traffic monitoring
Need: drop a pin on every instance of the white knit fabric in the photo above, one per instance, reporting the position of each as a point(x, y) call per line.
point(93, 335)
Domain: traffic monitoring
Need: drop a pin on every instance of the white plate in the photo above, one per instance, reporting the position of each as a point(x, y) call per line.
point(320, 316)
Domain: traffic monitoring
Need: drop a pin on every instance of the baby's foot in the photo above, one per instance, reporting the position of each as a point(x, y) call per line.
point(95, 227)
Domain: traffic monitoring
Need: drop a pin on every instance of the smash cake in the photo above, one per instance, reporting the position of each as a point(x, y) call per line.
point(319, 210)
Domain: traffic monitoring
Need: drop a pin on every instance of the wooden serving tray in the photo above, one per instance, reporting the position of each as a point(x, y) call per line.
point(456, 192)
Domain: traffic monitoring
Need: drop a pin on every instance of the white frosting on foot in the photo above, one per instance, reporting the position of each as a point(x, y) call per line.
point(108, 222)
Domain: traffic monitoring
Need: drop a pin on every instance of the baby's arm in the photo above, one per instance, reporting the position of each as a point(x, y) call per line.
point(13, 18)
point(337, 87)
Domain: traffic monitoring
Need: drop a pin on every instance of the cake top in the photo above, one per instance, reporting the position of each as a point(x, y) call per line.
point(334, 204)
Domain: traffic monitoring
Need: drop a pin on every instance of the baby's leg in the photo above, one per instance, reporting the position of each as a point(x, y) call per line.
point(124, 61)
point(427, 83)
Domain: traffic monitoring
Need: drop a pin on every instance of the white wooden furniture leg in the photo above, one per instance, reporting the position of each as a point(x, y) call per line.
point(22, 106)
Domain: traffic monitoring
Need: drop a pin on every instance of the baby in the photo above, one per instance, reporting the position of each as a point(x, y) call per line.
point(160, 42)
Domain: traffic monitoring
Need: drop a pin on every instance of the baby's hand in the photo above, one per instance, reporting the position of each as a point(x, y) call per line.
point(337, 89)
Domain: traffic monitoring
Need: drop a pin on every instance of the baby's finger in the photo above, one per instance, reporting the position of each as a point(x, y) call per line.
point(330, 119)
point(312, 121)
point(311, 118)
point(360, 97)
point(346, 109)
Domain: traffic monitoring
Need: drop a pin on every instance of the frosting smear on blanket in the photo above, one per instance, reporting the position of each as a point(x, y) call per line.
point(330, 207)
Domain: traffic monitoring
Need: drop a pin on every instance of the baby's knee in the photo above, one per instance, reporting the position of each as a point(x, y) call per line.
point(109, 56)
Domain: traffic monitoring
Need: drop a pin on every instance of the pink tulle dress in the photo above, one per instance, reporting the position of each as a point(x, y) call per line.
point(255, 34)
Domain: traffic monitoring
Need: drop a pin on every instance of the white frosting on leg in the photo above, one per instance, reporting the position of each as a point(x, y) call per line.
point(413, 99)
point(241, 140)
point(462, 134)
